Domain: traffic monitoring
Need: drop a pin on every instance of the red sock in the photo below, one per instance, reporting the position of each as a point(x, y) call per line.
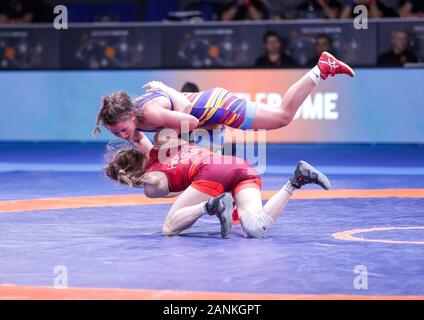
point(236, 219)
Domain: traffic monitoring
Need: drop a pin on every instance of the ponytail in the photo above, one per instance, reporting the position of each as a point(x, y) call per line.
point(128, 167)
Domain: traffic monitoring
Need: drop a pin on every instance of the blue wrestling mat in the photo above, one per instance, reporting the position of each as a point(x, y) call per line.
point(363, 238)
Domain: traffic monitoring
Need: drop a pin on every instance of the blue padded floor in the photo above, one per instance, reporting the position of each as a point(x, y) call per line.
point(122, 247)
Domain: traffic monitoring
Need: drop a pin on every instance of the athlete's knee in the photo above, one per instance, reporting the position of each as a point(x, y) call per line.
point(168, 231)
point(285, 118)
point(256, 225)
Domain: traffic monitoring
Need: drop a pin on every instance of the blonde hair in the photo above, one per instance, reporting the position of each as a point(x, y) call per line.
point(114, 108)
point(128, 167)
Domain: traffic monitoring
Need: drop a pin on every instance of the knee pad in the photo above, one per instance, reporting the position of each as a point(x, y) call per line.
point(256, 225)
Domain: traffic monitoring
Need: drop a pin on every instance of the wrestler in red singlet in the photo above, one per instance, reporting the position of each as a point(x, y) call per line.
point(207, 172)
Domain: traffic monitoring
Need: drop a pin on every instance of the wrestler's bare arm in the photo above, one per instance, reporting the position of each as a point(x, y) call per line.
point(155, 185)
point(179, 101)
point(163, 138)
point(142, 142)
point(161, 117)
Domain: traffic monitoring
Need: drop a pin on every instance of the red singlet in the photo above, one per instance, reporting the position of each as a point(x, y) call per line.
point(207, 172)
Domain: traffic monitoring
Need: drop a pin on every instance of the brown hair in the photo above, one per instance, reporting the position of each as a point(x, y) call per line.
point(114, 108)
point(128, 167)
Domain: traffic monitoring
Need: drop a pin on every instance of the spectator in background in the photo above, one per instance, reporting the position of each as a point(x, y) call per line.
point(282, 9)
point(376, 9)
point(399, 54)
point(322, 43)
point(411, 8)
point(245, 10)
point(17, 11)
point(43, 11)
point(190, 87)
point(318, 9)
point(274, 56)
point(209, 9)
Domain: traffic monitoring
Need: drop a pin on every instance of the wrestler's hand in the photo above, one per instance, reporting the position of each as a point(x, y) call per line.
point(137, 136)
point(155, 85)
point(151, 179)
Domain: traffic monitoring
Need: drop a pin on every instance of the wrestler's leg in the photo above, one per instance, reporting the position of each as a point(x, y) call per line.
point(273, 118)
point(185, 211)
point(255, 219)
point(266, 117)
point(192, 204)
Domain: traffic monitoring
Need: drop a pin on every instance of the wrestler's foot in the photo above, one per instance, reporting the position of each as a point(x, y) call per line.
point(329, 65)
point(306, 174)
point(222, 206)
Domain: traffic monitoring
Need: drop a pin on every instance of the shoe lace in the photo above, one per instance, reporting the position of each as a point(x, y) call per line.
point(213, 209)
point(301, 181)
point(332, 64)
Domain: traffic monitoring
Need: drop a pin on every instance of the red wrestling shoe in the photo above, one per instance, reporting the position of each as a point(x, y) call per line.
point(329, 65)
